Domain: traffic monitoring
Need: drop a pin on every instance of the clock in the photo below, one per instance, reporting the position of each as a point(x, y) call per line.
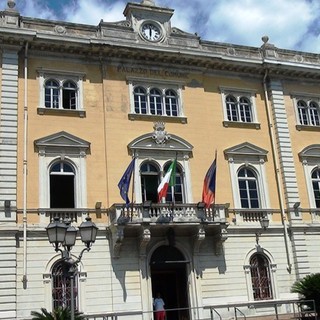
point(151, 31)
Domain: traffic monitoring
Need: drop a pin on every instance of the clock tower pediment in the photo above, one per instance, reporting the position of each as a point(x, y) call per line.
point(152, 23)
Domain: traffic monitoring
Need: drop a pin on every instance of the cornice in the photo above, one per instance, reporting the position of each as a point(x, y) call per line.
point(56, 37)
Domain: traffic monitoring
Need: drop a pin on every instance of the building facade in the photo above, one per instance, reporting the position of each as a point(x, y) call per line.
point(79, 102)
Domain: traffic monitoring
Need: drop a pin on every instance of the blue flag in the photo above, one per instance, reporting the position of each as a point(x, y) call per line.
point(124, 182)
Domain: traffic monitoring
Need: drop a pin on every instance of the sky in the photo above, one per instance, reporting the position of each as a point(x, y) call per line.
point(289, 24)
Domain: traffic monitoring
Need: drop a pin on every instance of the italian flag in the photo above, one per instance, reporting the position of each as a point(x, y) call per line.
point(168, 179)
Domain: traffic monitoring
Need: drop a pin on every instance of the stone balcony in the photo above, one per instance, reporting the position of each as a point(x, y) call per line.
point(147, 220)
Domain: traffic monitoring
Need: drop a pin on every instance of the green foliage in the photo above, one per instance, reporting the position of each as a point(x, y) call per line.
point(309, 288)
point(57, 314)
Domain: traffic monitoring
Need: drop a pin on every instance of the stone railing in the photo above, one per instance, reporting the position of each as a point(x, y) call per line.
point(250, 216)
point(73, 215)
point(165, 212)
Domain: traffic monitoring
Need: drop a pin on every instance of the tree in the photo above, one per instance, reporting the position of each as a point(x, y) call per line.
point(309, 288)
point(57, 314)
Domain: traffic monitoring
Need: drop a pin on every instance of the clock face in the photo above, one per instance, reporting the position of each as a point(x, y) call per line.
point(151, 32)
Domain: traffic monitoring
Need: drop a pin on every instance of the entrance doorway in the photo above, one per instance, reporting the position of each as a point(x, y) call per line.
point(169, 278)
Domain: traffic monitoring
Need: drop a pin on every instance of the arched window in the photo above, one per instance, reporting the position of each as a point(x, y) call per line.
point(52, 90)
point(155, 102)
point(61, 92)
point(69, 95)
point(260, 277)
point(171, 103)
point(61, 286)
point(303, 114)
point(248, 188)
point(308, 113)
point(245, 109)
point(156, 99)
point(239, 109)
point(178, 188)
point(231, 104)
point(149, 181)
point(314, 113)
point(315, 177)
point(140, 100)
point(62, 185)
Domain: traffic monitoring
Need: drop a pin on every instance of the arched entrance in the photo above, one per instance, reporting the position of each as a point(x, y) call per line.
point(169, 277)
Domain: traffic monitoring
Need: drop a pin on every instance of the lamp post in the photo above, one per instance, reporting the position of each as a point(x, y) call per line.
point(264, 222)
point(63, 237)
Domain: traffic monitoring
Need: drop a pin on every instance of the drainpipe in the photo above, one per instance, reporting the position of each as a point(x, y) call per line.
point(102, 70)
point(25, 132)
point(277, 172)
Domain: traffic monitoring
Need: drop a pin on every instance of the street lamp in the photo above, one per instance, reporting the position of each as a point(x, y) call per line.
point(264, 222)
point(63, 235)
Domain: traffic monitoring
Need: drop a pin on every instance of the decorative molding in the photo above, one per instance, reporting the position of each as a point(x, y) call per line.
point(62, 140)
point(60, 29)
point(247, 150)
point(160, 136)
point(116, 236)
point(161, 140)
point(46, 277)
point(239, 124)
point(144, 240)
point(61, 112)
point(198, 239)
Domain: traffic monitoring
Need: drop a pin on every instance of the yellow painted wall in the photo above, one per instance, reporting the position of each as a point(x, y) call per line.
point(108, 129)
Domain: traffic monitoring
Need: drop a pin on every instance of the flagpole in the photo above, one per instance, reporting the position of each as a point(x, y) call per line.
point(132, 188)
point(172, 187)
point(214, 200)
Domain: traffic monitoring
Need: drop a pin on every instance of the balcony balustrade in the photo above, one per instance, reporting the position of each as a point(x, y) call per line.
point(73, 215)
point(250, 217)
point(166, 212)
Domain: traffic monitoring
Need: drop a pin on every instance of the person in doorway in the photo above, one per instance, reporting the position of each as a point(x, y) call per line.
point(158, 305)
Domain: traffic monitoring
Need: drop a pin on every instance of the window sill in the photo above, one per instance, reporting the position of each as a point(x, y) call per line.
point(248, 125)
point(148, 117)
point(62, 112)
point(301, 127)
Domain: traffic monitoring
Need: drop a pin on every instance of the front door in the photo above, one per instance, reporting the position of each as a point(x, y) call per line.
point(169, 278)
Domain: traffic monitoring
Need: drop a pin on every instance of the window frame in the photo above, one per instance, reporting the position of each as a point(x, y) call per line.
point(238, 111)
point(161, 107)
point(48, 285)
point(160, 148)
point(310, 159)
point(161, 165)
point(61, 78)
point(62, 164)
point(272, 272)
point(316, 198)
point(249, 188)
point(62, 147)
point(312, 118)
point(256, 283)
point(59, 264)
point(253, 157)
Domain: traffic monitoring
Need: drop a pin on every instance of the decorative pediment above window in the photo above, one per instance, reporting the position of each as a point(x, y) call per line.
point(160, 141)
point(310, 153)
point(246, 152)
point(62, 143)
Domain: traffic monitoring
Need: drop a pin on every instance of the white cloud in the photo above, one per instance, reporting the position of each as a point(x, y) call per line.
point(91, 12)
point(35, 9)
point(290, 24)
